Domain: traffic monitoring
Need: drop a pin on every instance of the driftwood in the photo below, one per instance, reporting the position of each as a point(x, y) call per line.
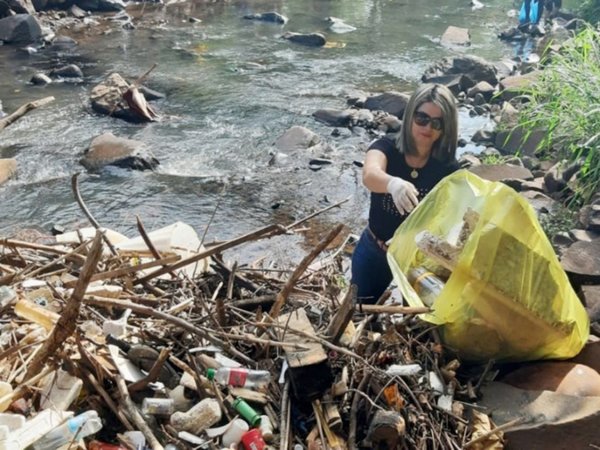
point(22, 110)
point(68, 319)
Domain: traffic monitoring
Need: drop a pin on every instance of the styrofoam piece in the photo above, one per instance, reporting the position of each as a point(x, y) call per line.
point(12, 421)
point(403, 370)
point(73, 237)
point(178, 238)
point(59, 390)
point(126, 368)
point(116, 327)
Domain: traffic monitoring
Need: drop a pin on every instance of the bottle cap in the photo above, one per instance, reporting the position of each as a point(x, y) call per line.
point(210, 374)
point(247, 412)
point(252, 440)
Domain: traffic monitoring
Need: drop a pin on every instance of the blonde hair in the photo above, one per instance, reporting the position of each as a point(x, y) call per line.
point(444, 149)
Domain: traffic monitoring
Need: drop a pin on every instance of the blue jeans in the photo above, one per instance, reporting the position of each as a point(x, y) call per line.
point(370, 270)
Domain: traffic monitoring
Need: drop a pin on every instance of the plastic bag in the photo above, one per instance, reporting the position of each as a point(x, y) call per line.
point(507, 298)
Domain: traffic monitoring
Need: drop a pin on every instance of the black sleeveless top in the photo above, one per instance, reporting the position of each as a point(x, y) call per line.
point(384, 217)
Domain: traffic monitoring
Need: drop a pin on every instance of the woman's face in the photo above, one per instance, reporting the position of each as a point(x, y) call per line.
point(427, 125)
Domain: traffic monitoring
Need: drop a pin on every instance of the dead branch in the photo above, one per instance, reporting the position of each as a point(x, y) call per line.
point(22, 110)
point(68, 320)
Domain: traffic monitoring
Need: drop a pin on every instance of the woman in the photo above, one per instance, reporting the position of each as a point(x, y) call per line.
point(399, 173)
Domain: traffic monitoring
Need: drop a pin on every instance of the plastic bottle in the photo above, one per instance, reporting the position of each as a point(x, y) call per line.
point(158, 406)
point(73, 429)
point(426, 284)
point(239, 377)
point(35, 313)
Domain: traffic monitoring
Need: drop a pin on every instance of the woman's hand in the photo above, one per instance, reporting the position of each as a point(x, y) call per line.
point(404, 194)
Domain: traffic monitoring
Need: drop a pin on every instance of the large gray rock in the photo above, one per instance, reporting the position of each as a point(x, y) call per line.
point(297, 138)
point(514, 86)
point(334, 117)
point(21, 6)
point(69, 71)
point(20, 29)
point(472, 67)
point(107, 98)
point(519, 140)
point(110, 150)
point(310, 39)
point(583, 259)
point(273, 17)
point(454, 36)
point(500, 172)
point(101, 5)
point(390, 102)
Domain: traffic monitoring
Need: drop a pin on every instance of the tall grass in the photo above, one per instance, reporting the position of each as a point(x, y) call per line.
point(565, 101)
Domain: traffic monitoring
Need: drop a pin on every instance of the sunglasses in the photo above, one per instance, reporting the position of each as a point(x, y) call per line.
point(423, 119)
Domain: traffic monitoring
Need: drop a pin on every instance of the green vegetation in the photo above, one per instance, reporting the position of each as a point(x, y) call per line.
point(560, 219)
point(590, 10)
point(491, 159)
point(565, 101)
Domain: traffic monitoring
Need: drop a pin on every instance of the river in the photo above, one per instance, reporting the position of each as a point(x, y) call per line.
point(232, 86)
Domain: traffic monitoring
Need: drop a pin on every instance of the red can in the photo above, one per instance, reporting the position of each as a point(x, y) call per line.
point(253, 440)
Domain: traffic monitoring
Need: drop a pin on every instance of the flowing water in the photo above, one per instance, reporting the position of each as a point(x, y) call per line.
point(232, 86)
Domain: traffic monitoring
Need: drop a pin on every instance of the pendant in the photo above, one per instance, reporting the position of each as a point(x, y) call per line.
point(414, 173)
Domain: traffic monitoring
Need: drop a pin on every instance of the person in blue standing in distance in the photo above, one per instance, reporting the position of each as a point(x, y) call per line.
point(399, 173)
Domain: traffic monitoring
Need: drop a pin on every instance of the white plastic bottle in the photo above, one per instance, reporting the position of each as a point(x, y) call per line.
point(73, 429)
point(239, 377)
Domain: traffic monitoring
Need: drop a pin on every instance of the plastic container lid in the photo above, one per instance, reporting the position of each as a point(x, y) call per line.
point(210, 374)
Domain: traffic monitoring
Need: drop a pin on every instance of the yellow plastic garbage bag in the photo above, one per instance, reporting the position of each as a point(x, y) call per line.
point(507, 297)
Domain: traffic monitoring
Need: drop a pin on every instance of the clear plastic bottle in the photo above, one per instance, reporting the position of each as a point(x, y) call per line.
point(73, 429)
point(426, 284)
point(239, 377)
point(35, 313)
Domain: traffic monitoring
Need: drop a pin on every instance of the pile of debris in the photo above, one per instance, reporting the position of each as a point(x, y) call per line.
point(155, 342)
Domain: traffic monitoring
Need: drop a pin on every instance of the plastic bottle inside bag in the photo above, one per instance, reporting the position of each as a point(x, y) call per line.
point(73, 429)
point(240, 377)
point(426, 284)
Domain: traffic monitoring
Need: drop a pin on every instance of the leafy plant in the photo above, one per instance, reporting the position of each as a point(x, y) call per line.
point(565, 102)
point(491, 159)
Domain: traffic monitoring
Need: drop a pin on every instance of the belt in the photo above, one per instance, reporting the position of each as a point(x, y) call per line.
point(381, 244)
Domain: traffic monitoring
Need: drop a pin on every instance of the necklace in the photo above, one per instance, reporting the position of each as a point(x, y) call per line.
point(414, 173)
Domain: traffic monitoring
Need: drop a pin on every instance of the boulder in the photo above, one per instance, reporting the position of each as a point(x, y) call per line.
point(390, 102)
point(474, 68)
point(40, 79)
point(500, 172)
point(101, 5)
point(69, 71)
point(467, 160)
point(8, 168)
point(549, 420)
point(110, 150)
point(454, 36)
point(583, 235)
point(339, 26)
point(268, 17)
point(561, 377)
point(297, 138)
point(541, 203)
point(553, 179)
point(583, 260)
point(589, 216)
point(483, 88)
point(20, 29)
point(590, 295)
point(519, 140)
point(309, 39)
point(21, 6)
point(107, 98)
point(514, 86)
point(389, 123)
point(334, 117)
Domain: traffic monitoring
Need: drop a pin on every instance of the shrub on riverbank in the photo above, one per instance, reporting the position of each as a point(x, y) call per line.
point(590, 10)
point(565, 101)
